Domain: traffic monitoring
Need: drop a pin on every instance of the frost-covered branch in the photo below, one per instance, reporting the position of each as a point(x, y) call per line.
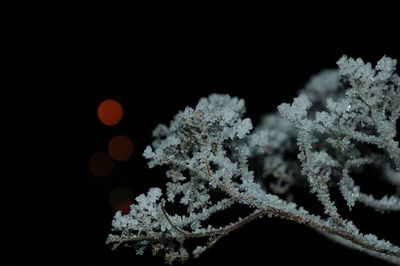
point(342, 121)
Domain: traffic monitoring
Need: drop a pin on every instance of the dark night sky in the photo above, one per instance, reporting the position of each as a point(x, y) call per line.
point(58, 64)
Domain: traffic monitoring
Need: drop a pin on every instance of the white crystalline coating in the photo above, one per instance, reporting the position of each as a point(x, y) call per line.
point(154, 194)
point(372, 240)
point(323, 85)
point(342, 121)
point(244, 128)
point(148, 153)
point(355, 70)
point(198, 250)
point(296, 111)
point(349, 191)
point(121, 221)
point(274, 134)
point(386, 203)
point(161, 131)
point(195, 218)
point(386, 66)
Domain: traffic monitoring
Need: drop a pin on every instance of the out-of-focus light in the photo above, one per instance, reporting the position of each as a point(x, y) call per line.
point(121, 198)
point(120, 148)
point(110, 112)
point(124, 206)
point(101, 164)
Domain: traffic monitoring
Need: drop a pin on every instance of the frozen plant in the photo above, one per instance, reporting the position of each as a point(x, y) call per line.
point(341, 122)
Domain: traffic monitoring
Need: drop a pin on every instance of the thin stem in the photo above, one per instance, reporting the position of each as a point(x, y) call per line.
point(271, 211)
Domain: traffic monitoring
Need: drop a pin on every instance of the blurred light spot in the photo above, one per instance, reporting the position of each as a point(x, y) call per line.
point(101, 164)
point(110, 112)
point(121, 198)
point(124, 206)
point(120, 148)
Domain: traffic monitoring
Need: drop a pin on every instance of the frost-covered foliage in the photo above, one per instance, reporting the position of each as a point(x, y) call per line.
point(342, 121)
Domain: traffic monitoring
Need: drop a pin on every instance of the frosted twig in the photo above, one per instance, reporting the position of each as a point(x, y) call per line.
point(330, 127)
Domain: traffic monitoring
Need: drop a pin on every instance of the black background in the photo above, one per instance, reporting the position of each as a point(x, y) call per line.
point(59, 63)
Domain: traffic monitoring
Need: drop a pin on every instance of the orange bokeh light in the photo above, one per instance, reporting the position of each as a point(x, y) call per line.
point(124, 207)
point(121, 198)
point(120, 148)
point(100, 164)
point(110, 112)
